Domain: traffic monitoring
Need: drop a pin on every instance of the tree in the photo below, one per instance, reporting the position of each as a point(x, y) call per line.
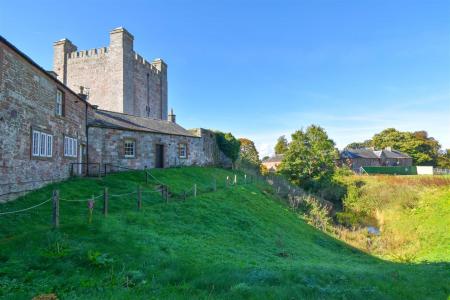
point(248, 153)
point(229, 145)
point(281, 145)
point(443, 160)
point(423, 149)
point(359, 145)
point(310, 157)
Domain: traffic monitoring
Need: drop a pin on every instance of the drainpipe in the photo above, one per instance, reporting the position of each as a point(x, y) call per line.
point(87, 139)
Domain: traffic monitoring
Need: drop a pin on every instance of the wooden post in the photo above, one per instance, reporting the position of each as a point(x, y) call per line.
point(167, 193)
point(139, 197)
point(146, 177)
point(195, 190)
point(55, 216)
point(105, 201)
point(228, 180)
point(235, 179)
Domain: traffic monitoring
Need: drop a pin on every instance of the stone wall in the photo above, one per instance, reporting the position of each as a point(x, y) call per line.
point(118, 78)
point(107, 146)
point(27, 103)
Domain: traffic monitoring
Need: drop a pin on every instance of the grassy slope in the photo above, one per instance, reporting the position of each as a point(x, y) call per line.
point(413, 212)
point(428, 223)
point(234, 243)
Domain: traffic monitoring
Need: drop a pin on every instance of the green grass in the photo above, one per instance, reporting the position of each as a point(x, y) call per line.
point(236, 243)
point(411, 211)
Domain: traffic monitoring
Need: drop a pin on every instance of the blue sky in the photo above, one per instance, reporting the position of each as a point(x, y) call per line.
point(261, 69)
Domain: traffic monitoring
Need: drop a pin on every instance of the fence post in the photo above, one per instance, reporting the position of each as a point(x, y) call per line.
point(55, 216)
point(235, 179)
point(105, 201)
point(146, 176)
point(195, 190)
point(228, 180)
point(167, 193)
point(139, 197)
point(104, 167)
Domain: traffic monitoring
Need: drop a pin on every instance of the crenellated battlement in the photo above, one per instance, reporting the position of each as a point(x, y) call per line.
point(88, 53)
point(147, 64)
point(118, 78)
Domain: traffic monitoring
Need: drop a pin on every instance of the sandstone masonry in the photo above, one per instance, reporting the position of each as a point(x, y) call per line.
point(118, 79)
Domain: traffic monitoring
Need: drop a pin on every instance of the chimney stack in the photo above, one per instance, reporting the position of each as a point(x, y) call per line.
point(172, 117)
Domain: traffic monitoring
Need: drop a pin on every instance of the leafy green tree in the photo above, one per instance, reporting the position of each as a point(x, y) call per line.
point(248, 153)
point(311, 156)
point(229, 145)
point(359, 145)
point(281, 145)
point(443, 160)
point(423, 149)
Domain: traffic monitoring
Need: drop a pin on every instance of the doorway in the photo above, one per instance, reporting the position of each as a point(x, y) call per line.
point(159, 156)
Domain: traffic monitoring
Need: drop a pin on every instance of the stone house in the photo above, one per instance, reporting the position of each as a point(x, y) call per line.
point(273, 162)
point(368, 157)
point(49, 132)
point(139, 142)
point(42, 124)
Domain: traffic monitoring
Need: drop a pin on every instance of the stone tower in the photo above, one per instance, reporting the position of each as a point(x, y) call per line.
point(118, 78)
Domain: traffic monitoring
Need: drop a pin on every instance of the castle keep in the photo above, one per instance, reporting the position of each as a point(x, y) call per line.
point(118, 79)
point(51, 128)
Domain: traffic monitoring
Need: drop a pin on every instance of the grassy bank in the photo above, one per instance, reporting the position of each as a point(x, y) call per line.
point(235, 243)
point(412, 213)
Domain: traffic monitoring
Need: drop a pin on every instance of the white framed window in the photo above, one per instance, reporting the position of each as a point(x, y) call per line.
point(182, 150)
point(41, 144)
point(129, 148)
point(59, 109)
point(70, 146)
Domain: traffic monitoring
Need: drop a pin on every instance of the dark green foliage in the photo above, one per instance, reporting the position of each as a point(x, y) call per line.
point(248, 156)
point(282, 145)
point(359, 145)
point(443, 160)
point(229, 145)
point(310, 158)
point(422, 148)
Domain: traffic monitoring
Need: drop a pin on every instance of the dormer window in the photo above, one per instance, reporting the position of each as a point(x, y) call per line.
point(59, 108)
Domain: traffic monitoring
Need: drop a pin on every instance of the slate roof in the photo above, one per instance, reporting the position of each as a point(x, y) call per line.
point(369, 153)
point(115, 120)
point(392, 153)
point(276, 158)
point(359, 153)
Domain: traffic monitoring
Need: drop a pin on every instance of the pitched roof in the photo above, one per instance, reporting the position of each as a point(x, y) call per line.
point(392, 153)
point(369, 153)
point(276, 158)
point(359, 153)
point(115, 120)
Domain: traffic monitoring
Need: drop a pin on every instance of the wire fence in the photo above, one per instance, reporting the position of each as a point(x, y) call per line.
point(154, 192)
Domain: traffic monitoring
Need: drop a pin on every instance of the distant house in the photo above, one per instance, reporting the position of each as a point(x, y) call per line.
point(368, 157)
point(273, 162)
